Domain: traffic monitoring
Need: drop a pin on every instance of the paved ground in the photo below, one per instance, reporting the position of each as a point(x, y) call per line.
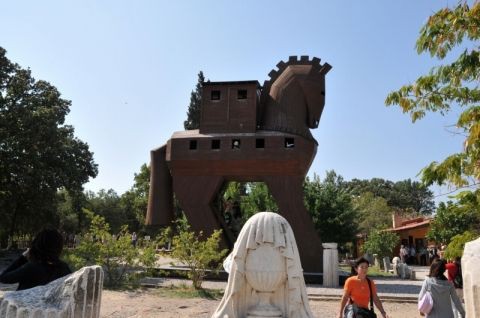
point(399, 297)
point(387, 287)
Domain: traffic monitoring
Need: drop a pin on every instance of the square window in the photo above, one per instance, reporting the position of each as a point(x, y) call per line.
point(193, 145)
point(215, 95)
point(235, 143)
point(260, 143)
point(216, 144)
point(289, 143)
point(242, 94)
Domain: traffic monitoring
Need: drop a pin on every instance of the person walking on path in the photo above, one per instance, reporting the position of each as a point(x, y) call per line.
point(134, 239)
point(38, 265)
point(403, 254)
point(454, 275)
point(442, 291)
point(358, 291)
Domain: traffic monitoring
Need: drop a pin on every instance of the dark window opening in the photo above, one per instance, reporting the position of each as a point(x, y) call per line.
point(289, 143)
point(216, 144)
point(193, 145)
point(236, 144)
point(242, 94)
point(260, 143)
point(215, 95)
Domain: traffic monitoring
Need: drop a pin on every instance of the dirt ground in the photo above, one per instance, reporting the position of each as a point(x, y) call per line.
point(146, 304)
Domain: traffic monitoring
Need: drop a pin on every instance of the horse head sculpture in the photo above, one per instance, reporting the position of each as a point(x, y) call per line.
point(294, 97)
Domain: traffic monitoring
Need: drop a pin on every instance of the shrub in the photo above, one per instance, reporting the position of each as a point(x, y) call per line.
point(115, 253)
point(457, 244)
point(197, 254)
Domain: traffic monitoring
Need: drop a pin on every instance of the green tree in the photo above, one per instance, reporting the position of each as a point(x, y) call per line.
point(193, 113)
point(457, 244)
point(452, 86)
point(67, 215)
point(257, 199)
point(454, 219)
point(373, 212)
point(134, 202)
point(331, 208)
point(107, 205)
point(406, 195)
point(381, 243)
point(39, 154)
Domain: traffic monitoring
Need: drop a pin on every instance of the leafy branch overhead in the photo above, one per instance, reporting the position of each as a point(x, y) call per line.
point(449, 86)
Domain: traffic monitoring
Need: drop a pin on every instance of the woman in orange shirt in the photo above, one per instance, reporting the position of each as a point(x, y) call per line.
point(356, 288)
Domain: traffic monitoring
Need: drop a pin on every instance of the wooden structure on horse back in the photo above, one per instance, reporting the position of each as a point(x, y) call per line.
point(248, 133)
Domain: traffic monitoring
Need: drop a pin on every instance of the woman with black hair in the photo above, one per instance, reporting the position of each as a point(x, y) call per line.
point(360, 293)
point(442, 291)
point(38, 265)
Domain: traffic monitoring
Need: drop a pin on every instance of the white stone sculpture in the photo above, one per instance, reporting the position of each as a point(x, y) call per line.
point(471, 278)
point(404, 270)
point(266, 277)
point(76, 295)
point(330, 264)
point(395, 265)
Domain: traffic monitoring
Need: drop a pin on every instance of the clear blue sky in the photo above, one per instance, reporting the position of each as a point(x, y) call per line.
point(129, 68)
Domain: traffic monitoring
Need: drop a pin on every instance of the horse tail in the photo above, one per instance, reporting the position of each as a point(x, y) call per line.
point(160, 199)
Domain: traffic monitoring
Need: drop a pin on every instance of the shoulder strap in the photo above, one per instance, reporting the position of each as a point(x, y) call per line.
point(371, 295)
point(428, 286)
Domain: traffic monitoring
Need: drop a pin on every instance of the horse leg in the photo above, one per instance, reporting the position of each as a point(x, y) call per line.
point(160, 199)
point(195, 195)
point(288, 193)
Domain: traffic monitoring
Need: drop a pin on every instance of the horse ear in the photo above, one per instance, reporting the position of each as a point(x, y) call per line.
point(325, 68)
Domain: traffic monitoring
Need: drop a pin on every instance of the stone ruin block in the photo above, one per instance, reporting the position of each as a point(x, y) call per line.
point(471, 278)
point(76, 295)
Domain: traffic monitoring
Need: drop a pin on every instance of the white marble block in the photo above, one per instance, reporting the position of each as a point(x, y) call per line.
point(76, 295)
point(471, 278)
point(330, 264)
point(265, 275)
point(386, 264)
point(396, 265)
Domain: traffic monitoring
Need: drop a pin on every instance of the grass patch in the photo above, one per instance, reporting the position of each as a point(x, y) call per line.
point(184, 291)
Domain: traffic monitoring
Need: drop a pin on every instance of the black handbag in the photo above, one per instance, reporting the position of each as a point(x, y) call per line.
point(353, 311)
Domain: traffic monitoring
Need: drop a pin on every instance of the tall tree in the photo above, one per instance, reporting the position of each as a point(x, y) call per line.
point(134, 202)
point(106, 203)
point(405, 195)
point(331, 208)
point(452, 86)
point(455, 218)
point(373, 212)
point(193, 113)
point(258, 198)
point(38, 153)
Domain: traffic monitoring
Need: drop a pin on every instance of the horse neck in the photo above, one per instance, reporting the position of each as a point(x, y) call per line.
point(287, 113)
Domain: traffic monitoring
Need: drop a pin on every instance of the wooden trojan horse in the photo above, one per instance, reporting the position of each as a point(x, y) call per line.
point(248, 133)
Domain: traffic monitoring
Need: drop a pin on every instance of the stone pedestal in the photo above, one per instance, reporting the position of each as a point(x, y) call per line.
point(376, 260)
point(386, 264)
point(330, 265)
point(471, 278)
